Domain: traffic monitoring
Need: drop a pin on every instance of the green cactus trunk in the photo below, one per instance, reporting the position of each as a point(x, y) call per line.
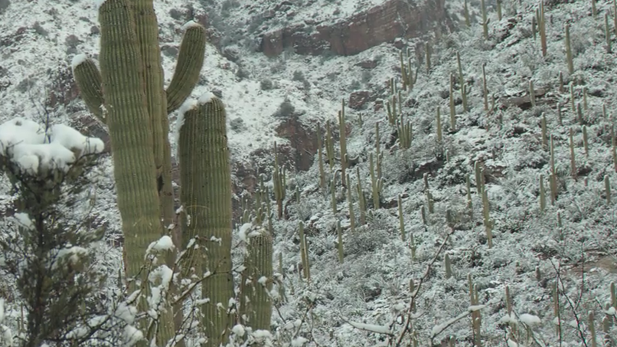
point(206, 196)
point(131, 138)
point(255, 301)
point(146, 29)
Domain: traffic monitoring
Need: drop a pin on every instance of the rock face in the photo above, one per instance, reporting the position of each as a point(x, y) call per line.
point(384, 23)
point(303, 141)
point(358, 99)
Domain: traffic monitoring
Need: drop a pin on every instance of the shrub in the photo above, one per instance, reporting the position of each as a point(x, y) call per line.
point(285, 110)
point(266, 84)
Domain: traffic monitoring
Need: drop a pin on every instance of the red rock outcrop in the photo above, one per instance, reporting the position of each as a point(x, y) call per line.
point(384, 23)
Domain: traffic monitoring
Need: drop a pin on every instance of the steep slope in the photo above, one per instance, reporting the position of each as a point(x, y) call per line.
point(372, 286)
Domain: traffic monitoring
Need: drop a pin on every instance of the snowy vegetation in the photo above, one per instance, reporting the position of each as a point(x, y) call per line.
point(419, 274)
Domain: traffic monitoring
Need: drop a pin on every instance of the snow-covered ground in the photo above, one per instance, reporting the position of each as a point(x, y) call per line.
point(359, 302)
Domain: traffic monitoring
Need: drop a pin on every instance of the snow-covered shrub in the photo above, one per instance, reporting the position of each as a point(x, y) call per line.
point(365, 240)
point(45, 245)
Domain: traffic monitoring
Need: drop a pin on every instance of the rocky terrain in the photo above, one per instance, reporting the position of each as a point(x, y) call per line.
point(283, 69)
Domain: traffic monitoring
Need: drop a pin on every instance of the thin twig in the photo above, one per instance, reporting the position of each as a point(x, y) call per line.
point(416, 292)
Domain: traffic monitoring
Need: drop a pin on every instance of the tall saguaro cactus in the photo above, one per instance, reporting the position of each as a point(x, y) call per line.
point(127, 94)
point(206, 197)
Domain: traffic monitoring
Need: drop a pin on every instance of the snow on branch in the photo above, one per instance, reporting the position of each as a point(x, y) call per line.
point(438, 329)
point(379, 329)
point(33, 148)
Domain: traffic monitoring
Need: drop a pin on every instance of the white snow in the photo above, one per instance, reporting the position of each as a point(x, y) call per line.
point(165, 243)
point(261, 335)
point(530, 319)
point(32, 149)
point(244, 229)
point(511, 318)
point(189, 24)
point(298, 341)
point(74, 140)
point(98, 3)
point(73, 253)
point(23, 220)
point(206, 98)
point(77, 60)
point(132, 335)
point(384, 261)
point(126, 312)
point(189, 104)
point(380, 329)
point(32, 158)
point(238, 329)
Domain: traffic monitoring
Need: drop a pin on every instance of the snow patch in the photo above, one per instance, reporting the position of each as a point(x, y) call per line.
point(98, 4)
point(206, 98)
point(530, 319)
point(380, 329)
point(24, 220)
point(244, 229)
point(163, 244)
point(190, 24)
point(299, 341)
point(78, 60)
point(73, 253)
point(131, 336)
point(238, 329)
point(32, 149)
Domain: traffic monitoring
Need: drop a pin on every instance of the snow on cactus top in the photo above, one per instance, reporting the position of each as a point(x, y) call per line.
point(206, 98)
point(98, 4)
point(33, 149)
point(77, 60)
point(190, 24)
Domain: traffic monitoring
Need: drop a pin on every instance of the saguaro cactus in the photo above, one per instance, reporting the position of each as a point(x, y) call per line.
point(206, 197)
point(128, 96)
point(255, 303)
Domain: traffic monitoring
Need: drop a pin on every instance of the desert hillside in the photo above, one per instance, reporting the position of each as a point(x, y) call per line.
point(482, 141)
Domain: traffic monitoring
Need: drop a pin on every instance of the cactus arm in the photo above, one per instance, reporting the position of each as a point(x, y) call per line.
point(88, 79)
point(205, 175)
point(190, 62)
